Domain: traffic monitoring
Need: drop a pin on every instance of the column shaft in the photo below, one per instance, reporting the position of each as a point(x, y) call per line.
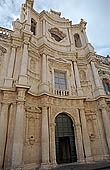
point(44, 27)
point(86, 139)
point(80, 151)
point(11, 62)
point(24, 60)
point(106, 123)
point(95, 74)
point(45, 136)
point(18, 141)
point(3, 130)
point(77, 78)
point(52, 145)
point(44, 69)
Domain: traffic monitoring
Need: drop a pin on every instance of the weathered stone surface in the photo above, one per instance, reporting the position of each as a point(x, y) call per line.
point(47, 68)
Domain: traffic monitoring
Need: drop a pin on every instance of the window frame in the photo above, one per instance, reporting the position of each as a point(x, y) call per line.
point(61, 81)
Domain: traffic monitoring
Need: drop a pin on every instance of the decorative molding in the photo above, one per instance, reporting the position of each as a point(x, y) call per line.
point(32, 109)
point(3, 50)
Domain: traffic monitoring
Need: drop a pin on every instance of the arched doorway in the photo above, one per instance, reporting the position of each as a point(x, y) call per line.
point(65, 139)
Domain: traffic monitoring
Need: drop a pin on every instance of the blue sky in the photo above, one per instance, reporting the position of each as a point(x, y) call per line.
point(95, 12)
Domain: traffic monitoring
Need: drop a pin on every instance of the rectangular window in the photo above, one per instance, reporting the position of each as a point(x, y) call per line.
point(60, 80)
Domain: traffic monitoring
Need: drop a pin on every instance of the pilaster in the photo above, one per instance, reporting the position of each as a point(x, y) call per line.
point(9, 79)
point(85, 135)
point(98, 86)
point(44, 86)
point(3, 126)
point(18, 140)
point(24, 62)
point(106, 121)
point(77, 79)
point(52, 145)
point(80, 151)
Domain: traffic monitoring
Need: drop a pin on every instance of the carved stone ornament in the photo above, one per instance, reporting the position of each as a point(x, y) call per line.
point(55, 12)
point(2, 49)
point(17, 25)
point(32, 109)
point(57, 34)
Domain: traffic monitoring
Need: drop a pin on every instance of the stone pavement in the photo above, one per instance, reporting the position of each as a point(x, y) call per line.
point(103, 165)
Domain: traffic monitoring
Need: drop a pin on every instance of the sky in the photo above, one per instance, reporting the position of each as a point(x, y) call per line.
point(95, 12)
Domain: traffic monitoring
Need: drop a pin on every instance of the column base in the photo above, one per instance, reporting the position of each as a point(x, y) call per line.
point(22, 79)
point(8, 82)
point(45, 166)
point(43, 88)
point(89, 159)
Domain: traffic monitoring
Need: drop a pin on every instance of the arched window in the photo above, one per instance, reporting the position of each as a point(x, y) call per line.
point(77, 41)
point(106, 85)
point(33, 26)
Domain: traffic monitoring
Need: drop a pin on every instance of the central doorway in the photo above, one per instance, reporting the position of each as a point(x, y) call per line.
point(65, 139)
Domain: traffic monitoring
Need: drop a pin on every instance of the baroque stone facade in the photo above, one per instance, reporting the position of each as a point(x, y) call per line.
point(54, 93)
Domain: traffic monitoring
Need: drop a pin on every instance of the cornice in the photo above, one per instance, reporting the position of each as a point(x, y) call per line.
point(45, 49)
point(56, 20)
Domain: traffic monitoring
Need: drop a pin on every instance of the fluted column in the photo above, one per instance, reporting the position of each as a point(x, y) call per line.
point(3, 129)
point(85, 135)
point(80, 151)
point(45, 137)
point(106, 122)
point(52, 145)
point(18, 141)
point(77, 79)
point(98, 85)
point(9, 79)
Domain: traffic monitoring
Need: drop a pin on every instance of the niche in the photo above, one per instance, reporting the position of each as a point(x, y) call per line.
point(77, 41)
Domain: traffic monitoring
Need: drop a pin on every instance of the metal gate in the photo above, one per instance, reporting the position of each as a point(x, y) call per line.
point(65, 139)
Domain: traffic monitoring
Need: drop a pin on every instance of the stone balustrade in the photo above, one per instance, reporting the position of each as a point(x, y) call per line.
point(4, 33)
point(61, 92)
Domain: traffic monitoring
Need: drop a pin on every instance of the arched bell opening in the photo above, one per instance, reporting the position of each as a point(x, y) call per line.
point(65, 139)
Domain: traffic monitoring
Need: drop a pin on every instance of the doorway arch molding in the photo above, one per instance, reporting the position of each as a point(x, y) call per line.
point(72, 116)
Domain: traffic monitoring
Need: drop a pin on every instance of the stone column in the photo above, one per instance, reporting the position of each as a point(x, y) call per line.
point(77, 79)
point(18, 141)
point(106, 122)
point(44, 86)
point(3, 129)
point(45, 138)
point(9, 79)
point(44, 69)
point(95, 74)
point(97, 80)
point(85, 135)
point(80, 151)
point(43, 27)
point(24, 63)
point(52, 145)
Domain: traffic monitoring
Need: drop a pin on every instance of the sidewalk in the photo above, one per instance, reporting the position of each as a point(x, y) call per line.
point(103, 165)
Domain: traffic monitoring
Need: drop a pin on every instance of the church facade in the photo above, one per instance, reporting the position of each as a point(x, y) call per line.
point(54, 93)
